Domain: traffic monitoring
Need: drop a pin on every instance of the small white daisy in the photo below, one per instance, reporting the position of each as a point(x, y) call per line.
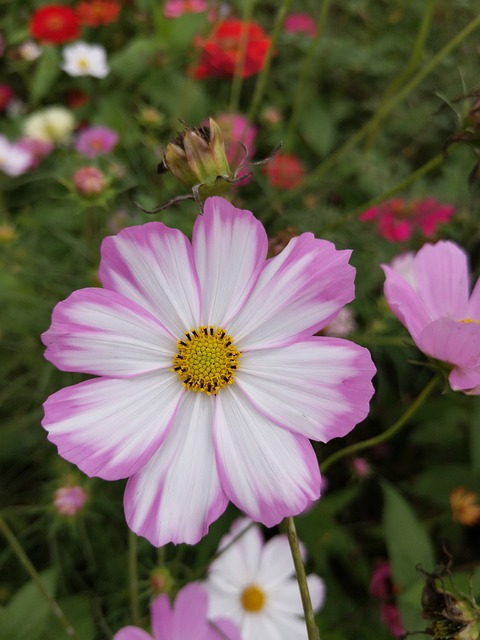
point(253, 583)
point(82, 59)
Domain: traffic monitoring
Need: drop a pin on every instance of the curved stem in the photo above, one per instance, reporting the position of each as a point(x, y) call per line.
point(388, 106)
point(36, 579)
point(262, 78)
point(389, 433)
point(304, 75)
point(290, 530)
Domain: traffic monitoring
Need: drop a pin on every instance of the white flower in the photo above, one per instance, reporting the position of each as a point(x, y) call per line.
point(253, 583)
point(29, 50)
point(52, 124)
point(13, 159)
point(82, 59)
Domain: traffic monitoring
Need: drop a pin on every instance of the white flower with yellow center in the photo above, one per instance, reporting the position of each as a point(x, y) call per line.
point(82, 59)
point(253, 583)
point(210, 378)
point(52, 124)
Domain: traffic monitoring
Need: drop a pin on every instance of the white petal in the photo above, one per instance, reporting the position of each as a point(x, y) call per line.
point(230, 248)
point(110, 428)
point(265, 470)
point(153, 265)
point(177, 495)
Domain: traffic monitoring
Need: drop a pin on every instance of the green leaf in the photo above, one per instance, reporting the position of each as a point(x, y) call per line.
point(317, 128)
point(78, 610)
point(46, 72)
point(134, 60)
point(25, 616)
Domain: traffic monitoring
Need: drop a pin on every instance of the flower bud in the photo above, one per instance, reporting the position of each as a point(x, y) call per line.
point(70, 500)
point(197, 158)
point(89, 181)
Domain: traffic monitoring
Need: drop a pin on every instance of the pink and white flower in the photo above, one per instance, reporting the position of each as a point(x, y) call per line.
point(186, 620)
point(68, 501)
point(95, 141)
point(211, 379)
point(14, 160)
point(253, 583)
point(83, 59)
point(433, 301)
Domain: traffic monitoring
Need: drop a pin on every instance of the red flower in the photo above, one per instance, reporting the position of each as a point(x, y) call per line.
point(54, 24)
point(222, 50)
point(284, 171)
point(97, 12)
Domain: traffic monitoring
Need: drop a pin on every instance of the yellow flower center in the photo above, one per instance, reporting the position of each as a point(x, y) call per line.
point(83, 64)
point(206, 360)
point(469, 321)
point(253, 599)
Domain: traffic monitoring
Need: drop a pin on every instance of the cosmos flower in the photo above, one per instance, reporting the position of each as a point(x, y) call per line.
point(177, 8)
point(221, 51)
point(434, 303)
point(83, 59)
point(13, 159)
point(211, 379)
point(51, 124)
point(284, 171)
point(300, 23)
point(54, 24)
point(95, 13)
point(253, 583)
point(95, 141)
point(186, 620)
point(397, 219)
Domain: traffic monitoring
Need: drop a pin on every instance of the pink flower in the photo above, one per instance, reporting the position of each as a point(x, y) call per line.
point(70, 500)
point(14, 161)
point(300, 23)
point(186, 620)
point(211, 379)
point(176, 8)
point(392, 619)
point(397, 220)
point(284, 171)
point(381, 581)
point(236, 130)
point(253, 583)
point(95, 141)
point(342, 325)
point(38, 149)
point(382, 588)
point(435, 305)
point(89, 181)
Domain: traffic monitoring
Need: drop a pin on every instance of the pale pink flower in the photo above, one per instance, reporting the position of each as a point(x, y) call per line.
point(253, 583)
point(70, 500)
point(342, 325)
point(193, 431)
point(95, 141)
point(38, 149)
point(185, 620)
point(300, 23)
point(403, 265)
point(361, 467)
point(83, 59)
point(397, 219)
point(13, 159)
point(89, 181)
point(176, 8)
point(436, 307)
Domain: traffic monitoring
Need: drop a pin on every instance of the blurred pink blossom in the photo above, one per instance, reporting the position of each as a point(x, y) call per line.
point(13, 159)
point(176, 8)
point(382, 588)
point(361, 467)
point(6, 94)
point(95, 141)
point(89, 181)
point(300, 23)
point(391, 618)
point(70, 500)
point(38, 149)
point(342, 325)
point(397, 219)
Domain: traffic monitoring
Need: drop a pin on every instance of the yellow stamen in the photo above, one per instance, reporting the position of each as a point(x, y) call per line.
point(253, 599)
point(206, 360)
point(469, 321)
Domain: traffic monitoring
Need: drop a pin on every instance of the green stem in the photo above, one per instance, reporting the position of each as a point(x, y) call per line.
point(435, 162)
point(305, 75)
point(263, 75)
point(289, 527)
point(237, 81)
point(389, 433)
point(133, 578)
point(36, 579)
point(387, 106)
point(402, 77)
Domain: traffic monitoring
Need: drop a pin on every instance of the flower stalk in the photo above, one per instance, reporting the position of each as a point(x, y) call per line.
point(288, 525)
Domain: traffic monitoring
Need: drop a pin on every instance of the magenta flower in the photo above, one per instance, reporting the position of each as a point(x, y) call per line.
point(382, 588)
point(432, 300)
point(70, 500)
point(176, 8)
point(239, 136)
point(96, 141)
point(397, 219)
point(211, 379)
point(300, 23)
point(186, 620)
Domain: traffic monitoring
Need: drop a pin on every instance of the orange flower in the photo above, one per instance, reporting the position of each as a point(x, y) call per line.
point(465, 508)
point(97, 12)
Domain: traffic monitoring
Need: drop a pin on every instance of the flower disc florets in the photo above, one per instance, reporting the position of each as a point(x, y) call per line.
point(206, 360)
